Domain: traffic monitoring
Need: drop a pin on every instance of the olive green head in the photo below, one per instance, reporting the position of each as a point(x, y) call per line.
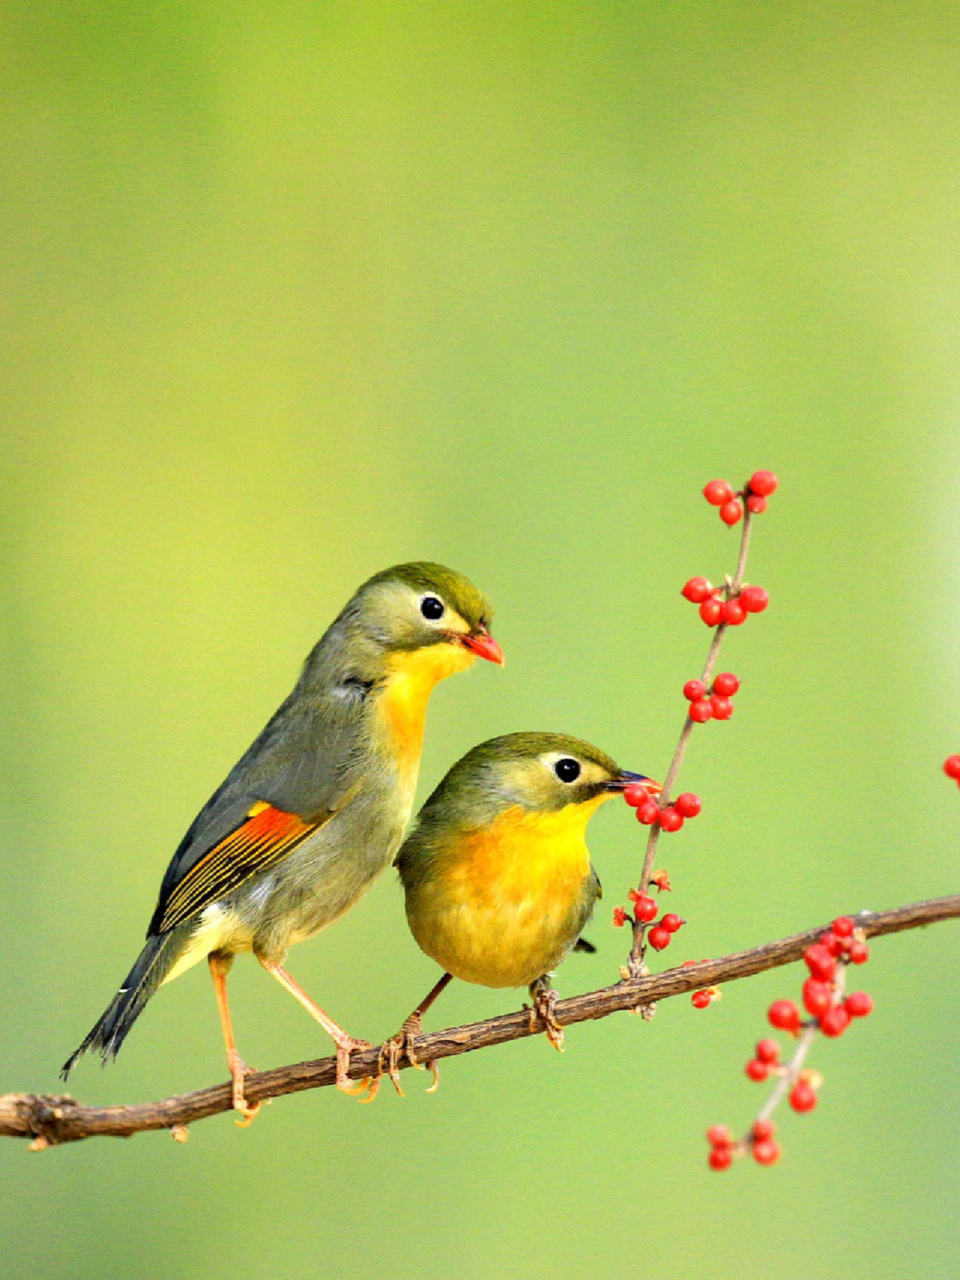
point(413, 606)
point(541, 772)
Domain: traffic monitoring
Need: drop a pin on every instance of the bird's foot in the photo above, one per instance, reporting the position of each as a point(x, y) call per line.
point(391, 1054)
point(544, 1010)
point(346, 1046)
point(239, 1069)
point(392, 1051)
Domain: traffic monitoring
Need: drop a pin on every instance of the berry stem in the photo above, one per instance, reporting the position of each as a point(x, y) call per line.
point(638, 950)
point(804, 1044)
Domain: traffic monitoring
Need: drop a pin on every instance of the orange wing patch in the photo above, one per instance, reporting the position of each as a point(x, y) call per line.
point(259, 842)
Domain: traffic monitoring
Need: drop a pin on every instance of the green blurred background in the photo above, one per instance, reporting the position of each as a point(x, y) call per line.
point(295, 291)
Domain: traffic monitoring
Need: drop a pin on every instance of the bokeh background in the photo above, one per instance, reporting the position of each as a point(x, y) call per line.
point(295, 291)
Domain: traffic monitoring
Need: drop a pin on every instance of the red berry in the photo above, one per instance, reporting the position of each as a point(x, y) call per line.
point(726, 684)
point(619, 917)
point(672, 922)
point(859, 953)
point(762, 482)
point(646, 909)
point(754, 599)
point(711, 611)
point(803, 1098)
point(721, 708)
point(700, 999)
point(670, 819)
point(766, 1152)
point(687, 804)
point(648, 813)
point(720, 1158)
point(833, 944)
point(784, 1015)
point(820, 963)
point(756, 504)
point(817, 997)
point(694, 690)
point(719, 1136)
point(843, 926)
point(717, 492)
point(731, 512)
point(701, 712)
point(835, 1021)
point(767, 1051)
point(696, 589)
point(757, 1071)
point(635, 794)
point(858, 1004)
point(762, 1131)
point(951, 767)
point(734, 614)
point(659, 938)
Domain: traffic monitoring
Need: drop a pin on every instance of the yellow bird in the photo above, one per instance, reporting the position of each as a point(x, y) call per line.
point(497, 873)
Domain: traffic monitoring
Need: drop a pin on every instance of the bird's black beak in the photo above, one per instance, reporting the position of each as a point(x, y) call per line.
point(626, 777)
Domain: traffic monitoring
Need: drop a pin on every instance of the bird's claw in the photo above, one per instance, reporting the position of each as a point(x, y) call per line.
point(394, 1050)
point(239, 1069)
point(544, 1011)
point(398, 1047)
point(345, 1048)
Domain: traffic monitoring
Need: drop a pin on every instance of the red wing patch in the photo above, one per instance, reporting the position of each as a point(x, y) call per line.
point(263, 839)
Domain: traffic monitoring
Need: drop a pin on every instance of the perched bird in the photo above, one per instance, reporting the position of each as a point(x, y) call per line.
point(316, 807)
point(497, 872)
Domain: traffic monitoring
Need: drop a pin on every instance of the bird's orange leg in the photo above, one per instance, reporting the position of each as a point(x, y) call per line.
point(219, 968)
point(346, 1044)
point(392, 1050)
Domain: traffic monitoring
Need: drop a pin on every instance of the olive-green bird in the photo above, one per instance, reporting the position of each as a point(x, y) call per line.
point(497, 872)
point(316, 807)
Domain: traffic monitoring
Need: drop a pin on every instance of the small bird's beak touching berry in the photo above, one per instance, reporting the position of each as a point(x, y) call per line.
point(483, 645)
point(635, 780)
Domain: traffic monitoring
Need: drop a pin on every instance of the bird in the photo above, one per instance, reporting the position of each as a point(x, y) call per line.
point(497, 875)
point(315, 808)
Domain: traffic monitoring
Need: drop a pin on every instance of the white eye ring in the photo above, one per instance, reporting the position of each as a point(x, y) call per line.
point(432, 607)
point(567, 769)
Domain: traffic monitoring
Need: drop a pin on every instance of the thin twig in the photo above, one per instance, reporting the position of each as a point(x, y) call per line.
point(635, 962)
point(50, 1120)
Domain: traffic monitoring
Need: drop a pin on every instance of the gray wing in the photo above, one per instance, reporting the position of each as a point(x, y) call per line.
point(303, 765)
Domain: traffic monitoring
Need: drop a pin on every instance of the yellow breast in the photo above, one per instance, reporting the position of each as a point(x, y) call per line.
point(509, 905)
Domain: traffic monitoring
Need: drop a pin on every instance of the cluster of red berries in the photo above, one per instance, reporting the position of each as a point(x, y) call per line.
point(671, 817)
point(844, 944)
point(719, 493)
point(645, 911)
point(760, 1143)
point(951, 767)
point(713, 702)
point(829, 1012)
point(717, 605)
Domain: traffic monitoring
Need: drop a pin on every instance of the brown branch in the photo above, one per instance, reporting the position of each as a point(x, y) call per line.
point(51, 1120)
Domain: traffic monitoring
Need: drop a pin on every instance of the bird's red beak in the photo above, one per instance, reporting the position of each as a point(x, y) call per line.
point(483, 645)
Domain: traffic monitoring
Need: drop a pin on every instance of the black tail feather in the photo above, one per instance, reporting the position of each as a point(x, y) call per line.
point(152, 966)
point(582, 944)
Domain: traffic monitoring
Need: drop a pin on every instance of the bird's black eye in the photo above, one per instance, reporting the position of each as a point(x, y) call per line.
point(431, 608)
point(567, 769)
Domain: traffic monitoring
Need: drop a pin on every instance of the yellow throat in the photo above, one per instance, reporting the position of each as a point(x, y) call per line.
point(524, 853)
point(403, 702)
